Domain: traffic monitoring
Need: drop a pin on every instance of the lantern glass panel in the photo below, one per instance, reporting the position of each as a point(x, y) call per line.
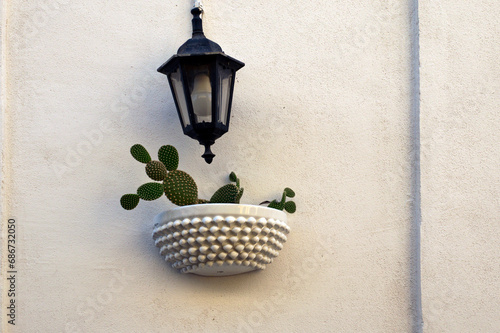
point(200, 89)
point(225, 77)
point(176, 81)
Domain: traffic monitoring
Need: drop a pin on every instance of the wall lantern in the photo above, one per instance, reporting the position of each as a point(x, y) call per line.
point(202, 79)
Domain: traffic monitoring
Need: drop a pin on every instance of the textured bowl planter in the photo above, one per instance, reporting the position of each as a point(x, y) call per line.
point(220, 239)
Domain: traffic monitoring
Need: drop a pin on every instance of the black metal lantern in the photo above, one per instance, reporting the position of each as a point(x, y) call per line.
point(202, 79)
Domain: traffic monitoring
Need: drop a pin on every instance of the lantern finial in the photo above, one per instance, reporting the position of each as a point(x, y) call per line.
point(197, 22)
point(208, 155)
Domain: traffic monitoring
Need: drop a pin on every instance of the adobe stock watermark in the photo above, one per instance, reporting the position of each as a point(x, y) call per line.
point(248, 152)
point(43, 13)
point(75, 155)
point(371, 28)
point(89, 310)
point(94, 137)
point(294, 280)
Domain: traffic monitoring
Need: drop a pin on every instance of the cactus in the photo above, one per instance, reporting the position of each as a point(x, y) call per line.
point(230, 193)
point(289, 192)
point(289, 206)
point(177, 185)
point(180, 188)
point(150, 191)
point(234, 178)
point(140, 153)
point(226, 194)
point(129, 201)
point(169, 156)
point(156, 170)
point(240, 194)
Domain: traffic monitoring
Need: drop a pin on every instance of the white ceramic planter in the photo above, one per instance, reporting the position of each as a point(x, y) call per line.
point(220, 239)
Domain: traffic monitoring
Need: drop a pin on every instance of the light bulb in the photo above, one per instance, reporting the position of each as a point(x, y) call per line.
point(202, 96)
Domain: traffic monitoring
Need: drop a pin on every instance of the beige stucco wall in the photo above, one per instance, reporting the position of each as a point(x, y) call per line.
point(326, 104)
point(460, 122)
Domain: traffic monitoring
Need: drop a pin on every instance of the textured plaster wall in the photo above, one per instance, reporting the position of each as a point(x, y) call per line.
point(460, 122)
point(324, 105)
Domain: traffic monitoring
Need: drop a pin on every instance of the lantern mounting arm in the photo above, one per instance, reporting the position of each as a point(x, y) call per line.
point(198, 4)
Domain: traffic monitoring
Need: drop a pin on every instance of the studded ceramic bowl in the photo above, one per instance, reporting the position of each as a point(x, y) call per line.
point(220, 239)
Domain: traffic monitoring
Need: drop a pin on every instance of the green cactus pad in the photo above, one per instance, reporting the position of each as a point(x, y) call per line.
point(290, 207)
point(232, 177)
point(180, 188)
point(140, 153)
point(226, 194)
point(129, 201)
point(278, 204)
point(156, 170)
point(275, 204)
point(150, 191)
point(169, 156)
point(289, 192)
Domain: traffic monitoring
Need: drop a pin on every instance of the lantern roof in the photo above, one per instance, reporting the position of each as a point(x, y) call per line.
point(198, 44)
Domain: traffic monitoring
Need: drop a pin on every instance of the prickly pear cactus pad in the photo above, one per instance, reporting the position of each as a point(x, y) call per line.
point(232, 177)
point(129, 201)
point(289, 192)
point(140, 153)
point(156, 170)
point(180, 188)
point(226, 194)
point(290, 207)
point(169, 156)
point(150, 191)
